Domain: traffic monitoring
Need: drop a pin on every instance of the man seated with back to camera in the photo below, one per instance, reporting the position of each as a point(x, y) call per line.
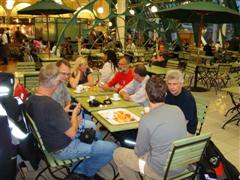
point(157, 130)
point(59, 134)
point(177, 95)
point(121, 78)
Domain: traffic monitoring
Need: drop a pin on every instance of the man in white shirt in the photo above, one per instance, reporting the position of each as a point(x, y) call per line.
point(135, 90)
point(130, 45)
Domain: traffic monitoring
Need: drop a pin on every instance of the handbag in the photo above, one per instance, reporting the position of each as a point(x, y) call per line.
point(88, 135)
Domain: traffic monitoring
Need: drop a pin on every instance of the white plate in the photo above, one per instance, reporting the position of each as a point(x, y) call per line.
point(113, 121)
point(115, 99)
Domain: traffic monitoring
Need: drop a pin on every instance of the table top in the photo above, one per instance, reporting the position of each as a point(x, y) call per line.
point(115, 104)
point(92, 91)
point(234, 90)
point(156, 69)
point(45, 58)
point(123, 127)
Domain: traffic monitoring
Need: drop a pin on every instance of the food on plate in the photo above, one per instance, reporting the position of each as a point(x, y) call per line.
point(123, 116)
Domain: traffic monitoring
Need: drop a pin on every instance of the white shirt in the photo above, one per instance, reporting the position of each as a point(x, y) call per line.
point(137, 92)
point(4, 39)
point(107, 72)
point(131, 46)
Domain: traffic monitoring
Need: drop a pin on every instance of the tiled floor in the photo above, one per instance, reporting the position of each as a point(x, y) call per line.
point(227, 140)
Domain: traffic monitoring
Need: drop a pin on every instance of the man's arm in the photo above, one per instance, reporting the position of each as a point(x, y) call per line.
point(110, 85)
point(71, 132)
point(143, 139)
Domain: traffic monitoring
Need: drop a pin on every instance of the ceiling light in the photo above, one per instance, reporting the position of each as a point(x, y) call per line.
point(110, 24)
point(131, 11)
point(148, 4)
point(154, 9)
point(100, 9)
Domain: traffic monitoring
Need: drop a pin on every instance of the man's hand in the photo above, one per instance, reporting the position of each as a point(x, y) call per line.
point(76, 110)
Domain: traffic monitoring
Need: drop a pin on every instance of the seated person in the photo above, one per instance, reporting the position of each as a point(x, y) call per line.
point(157, 130)
point(110, 66)
point(177, 95)
point(59, 134)
point(130, 45)
point(81, 74)
point(61, 94)
point(121, 78)
point(135, 90)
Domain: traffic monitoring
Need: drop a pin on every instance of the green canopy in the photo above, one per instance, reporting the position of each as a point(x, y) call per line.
point(201, 12)
point(45, 7)
point(194, 11)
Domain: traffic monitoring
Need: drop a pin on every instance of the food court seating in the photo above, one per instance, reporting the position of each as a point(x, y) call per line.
point(26, 66)
point(172, 63)
point(184, 153)
point(189, 74)
point(30, 81)
point(202, 106)
point(54, 166)
point(220, 79)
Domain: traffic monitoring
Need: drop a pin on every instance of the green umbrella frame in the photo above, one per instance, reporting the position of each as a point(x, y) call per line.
point(46, 7)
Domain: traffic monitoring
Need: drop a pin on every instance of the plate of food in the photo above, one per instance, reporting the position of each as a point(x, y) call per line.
point(119, 116)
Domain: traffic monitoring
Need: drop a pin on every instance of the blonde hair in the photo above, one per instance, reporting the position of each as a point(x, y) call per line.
point(49, 75)
point(80, 61)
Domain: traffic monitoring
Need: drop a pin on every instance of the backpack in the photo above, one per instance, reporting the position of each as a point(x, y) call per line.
point(214, 165)
point(26, 148)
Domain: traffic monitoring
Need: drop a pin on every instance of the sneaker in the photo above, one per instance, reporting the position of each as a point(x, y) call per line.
point(97, 177)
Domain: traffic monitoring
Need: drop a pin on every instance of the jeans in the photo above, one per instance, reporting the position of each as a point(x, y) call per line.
point(100, 153)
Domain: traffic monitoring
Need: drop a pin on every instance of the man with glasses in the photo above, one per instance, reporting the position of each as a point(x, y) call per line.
point(61, 94)
point(121, 78)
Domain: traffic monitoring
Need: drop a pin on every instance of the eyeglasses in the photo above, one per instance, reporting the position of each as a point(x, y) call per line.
point(65, 74)
point(121, 64)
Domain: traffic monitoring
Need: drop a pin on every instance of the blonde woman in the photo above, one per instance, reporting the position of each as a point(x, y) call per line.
point(81, 74)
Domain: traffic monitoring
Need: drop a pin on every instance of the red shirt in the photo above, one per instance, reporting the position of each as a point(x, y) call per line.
point(122, 79)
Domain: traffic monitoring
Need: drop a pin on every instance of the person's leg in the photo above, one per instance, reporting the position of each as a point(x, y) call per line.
point(129, 165)
point(100, 153)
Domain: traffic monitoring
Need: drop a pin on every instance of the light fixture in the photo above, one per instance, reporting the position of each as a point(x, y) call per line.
point(110, 24)
point(148, 4)
point(154, 9)
point(131, 11)
point(100, 9)
point(9, 4)
point(58, 1)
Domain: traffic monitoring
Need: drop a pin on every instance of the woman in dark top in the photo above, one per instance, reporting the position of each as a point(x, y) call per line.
point(81, 74)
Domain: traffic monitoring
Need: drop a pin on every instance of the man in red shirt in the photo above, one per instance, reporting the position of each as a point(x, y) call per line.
point(121, 78)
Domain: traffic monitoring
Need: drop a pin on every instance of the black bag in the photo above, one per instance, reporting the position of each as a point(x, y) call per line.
point(88, 135)
point(215, 165)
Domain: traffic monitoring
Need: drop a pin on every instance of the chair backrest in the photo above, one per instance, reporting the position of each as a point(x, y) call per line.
point(202, 106)
point(172, 64)
point(30, 81)
point(189, 74)
point(185, 152)
point(26, 66)
point(234, 79)
point(224, 69)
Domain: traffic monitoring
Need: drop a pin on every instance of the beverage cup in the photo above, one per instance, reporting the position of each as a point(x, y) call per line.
point(115, 96)
point(110, 114)
point(79, 88)
point(91, 98)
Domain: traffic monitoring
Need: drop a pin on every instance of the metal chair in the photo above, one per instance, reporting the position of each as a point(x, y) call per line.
point(202, 106)
point(189, 74)
point(54, 165)
point(185, 152)
point(172, 64)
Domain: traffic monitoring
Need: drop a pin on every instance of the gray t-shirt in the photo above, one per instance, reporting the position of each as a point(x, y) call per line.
point(51, 121)
point(61, 95)
point(157, 131)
